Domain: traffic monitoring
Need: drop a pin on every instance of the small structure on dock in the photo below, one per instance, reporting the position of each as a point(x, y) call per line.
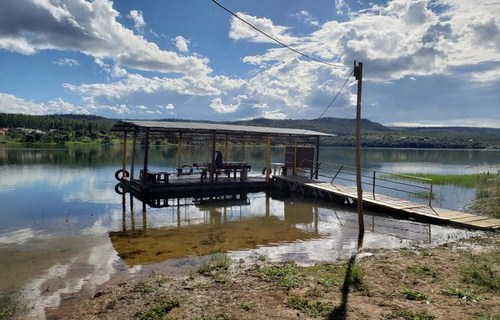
point(214, 174)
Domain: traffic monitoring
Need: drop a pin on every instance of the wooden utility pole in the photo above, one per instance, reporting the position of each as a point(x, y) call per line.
point(358, 74)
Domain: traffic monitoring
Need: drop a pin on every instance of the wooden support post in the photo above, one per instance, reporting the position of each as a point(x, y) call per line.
point(430, 195)
point(295, 158)
point(268, 160)
point(132, 214)
point(124, 223)
point(244, 149)
point(132, 165)
point(212, 162)
point(358, 74)
point(268, 204)
point(317, 158)
point(124, 164)
point(316, 220)
point(179, 151)
point(144, 218)
point(146, 155)
point(178, 213)
point(226, 148)
point(373, 183)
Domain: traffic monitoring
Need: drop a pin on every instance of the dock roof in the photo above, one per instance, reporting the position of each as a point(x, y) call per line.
point(211, 127)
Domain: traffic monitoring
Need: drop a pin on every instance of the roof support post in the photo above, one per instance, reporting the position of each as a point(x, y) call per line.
point(124, 164)
point(146, 155)
point(226, 147)
point(179, 151)
point(132, 165)
point(316, 173)
point(212, 162)
point(268, 159)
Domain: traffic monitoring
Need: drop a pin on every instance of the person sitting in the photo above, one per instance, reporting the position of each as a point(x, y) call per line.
point(218, 160)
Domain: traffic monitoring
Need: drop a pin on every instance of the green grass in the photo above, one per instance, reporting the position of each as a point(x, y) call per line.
point(425, 195)
point(9, 306)
point(311, 308)
point(459, 293)
point(218, 262)
point(408, 315)
point(285, 275)
point(483, 271)
point(413, 294)
point(356, 277)
point(461, 180)
point(159, 311)
point(487, 200)
point(422, 271)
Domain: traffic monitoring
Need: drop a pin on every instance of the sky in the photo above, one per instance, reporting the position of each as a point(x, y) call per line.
point(426, 62)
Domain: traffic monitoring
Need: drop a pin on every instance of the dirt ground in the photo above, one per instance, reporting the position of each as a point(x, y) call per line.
point(454, 281)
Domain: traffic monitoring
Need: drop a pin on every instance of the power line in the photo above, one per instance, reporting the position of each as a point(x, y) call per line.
point(277, 40)
point(337, 95)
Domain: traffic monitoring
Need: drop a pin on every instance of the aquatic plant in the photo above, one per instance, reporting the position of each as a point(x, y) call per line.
point(217, 262)
point(285, 275)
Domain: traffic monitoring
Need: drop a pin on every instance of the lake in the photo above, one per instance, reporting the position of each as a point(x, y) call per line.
point(64, 229)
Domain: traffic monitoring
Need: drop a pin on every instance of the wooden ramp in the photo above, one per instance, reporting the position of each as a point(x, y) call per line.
point(380, 201)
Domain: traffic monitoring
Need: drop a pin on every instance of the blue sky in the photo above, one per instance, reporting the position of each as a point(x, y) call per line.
point(427, 62)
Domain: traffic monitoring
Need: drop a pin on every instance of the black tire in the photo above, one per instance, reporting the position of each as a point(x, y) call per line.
point(124, 174)
point(119, 188)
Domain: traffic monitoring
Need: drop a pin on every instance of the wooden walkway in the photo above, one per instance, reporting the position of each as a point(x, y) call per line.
point(380, 201)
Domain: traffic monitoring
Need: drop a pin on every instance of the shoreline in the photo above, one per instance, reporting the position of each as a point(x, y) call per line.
point(388, 284)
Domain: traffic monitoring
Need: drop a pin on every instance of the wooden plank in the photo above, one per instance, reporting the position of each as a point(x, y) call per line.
point(401, 205)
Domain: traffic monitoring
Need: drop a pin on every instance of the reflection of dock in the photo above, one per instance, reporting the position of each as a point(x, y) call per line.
point(217, 232)
point(378, 201)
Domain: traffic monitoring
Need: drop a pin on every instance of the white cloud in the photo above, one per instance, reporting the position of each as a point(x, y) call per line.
point(138, 19)
point(486, 77)
point(68, 62)
point(217, 105)
point(307, 18)
point(88, 27)
point(182, 44)
point(479, 123)
point(169, 106)
point(275, 114)
point(12, 104)
point(240, 30)
point(341, 7)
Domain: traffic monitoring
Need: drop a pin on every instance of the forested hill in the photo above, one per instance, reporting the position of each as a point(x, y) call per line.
point(59, 122)
point(90, 128)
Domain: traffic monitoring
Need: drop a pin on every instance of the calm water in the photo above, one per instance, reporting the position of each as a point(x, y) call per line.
point(64, 229)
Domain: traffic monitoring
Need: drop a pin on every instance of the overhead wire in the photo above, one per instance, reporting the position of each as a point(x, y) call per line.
point(339, 66)
point(337, 95)
point(293, 50)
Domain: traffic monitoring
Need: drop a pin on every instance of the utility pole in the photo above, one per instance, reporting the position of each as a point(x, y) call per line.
point(358, 74)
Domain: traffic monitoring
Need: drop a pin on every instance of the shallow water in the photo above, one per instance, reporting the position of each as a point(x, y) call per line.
point(62, 224)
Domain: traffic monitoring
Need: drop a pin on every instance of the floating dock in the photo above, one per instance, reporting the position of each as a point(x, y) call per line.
point(386, 203)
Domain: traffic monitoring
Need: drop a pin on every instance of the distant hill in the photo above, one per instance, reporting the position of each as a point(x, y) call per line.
point(374, 134)
point(337, 126)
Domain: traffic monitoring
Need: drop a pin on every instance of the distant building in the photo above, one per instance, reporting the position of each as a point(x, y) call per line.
point(3, 131)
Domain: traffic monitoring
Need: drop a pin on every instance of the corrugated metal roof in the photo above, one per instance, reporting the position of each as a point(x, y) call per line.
point(203, 127)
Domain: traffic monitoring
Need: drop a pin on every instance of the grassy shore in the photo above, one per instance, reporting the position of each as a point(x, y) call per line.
point(461, 180)
point(487, 200)
point(449, 282)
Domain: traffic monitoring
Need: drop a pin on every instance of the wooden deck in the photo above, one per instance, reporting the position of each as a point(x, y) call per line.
point(191, 186)
point(387, 203)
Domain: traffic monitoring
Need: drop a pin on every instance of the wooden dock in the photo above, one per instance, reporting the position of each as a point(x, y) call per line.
point(386, 203)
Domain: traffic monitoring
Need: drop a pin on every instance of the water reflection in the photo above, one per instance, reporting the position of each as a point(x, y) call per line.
point(203, 226)
point(249, 225)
